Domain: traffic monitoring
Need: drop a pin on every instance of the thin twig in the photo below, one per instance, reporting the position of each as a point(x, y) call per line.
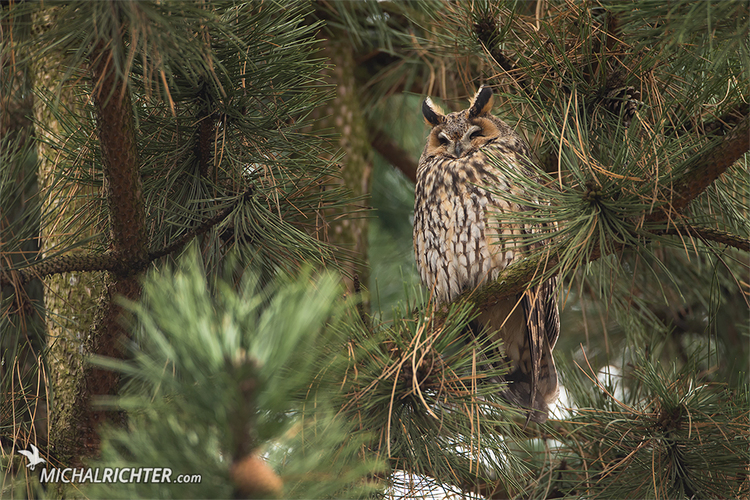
point(394, 154)
point(91, 262)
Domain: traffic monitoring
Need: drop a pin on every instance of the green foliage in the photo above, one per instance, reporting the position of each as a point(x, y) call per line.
point(391, 253)
point(651, 429)
point(431, 394)
point(221, 96)
point(221, 372)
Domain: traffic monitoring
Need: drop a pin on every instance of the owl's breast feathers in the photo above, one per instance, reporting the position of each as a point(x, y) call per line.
point(458, 247)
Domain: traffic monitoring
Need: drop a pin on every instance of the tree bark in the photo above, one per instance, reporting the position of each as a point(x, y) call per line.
point(70, 298)
point(344, 115)
point(84, 317)
point(123, 191)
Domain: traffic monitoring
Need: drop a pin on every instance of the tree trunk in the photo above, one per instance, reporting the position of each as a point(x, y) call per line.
point(123, 191)
point(70, 298)
point(345, 116)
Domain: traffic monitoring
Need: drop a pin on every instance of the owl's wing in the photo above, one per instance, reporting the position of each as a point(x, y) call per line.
point(550, 311)
point(542, 329)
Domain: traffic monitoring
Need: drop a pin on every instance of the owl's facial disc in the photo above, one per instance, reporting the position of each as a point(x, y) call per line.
point(460, 137)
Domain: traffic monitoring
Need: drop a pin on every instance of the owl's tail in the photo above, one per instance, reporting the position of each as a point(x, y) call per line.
point(528, 331)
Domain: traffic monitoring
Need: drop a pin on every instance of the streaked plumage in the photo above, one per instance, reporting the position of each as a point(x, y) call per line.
point(459, 245)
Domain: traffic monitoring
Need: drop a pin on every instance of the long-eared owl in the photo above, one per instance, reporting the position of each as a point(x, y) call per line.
point(460, 242)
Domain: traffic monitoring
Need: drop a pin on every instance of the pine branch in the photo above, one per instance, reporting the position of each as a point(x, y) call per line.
point(122, 180)
point(726, 121)
point(512, 281)
point(488, 34)
point(91, 262)
point(515, 279)
point(203, 228)
point(127, 217)
point(707, 167)
point(204, 133)
point(394, 154)
point(707, 234)
point(471, 483)
point(87, 262)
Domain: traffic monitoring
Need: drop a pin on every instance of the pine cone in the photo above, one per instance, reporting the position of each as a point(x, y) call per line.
point(253, 478)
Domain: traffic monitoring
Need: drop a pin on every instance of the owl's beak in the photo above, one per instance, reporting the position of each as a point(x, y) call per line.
point(460, 147)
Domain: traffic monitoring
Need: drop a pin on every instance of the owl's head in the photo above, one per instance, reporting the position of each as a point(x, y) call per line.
point(464, 132)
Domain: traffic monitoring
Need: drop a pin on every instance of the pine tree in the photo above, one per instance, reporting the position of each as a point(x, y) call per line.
point(192, 123)
point(638, 115)
point(243, 360)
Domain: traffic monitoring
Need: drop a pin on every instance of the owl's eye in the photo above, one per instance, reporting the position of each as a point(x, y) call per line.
point(443, 139)
point(473, 132)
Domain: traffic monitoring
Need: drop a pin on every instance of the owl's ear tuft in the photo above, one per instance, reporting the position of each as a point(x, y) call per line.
point(481, 104)
point(432, 113)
